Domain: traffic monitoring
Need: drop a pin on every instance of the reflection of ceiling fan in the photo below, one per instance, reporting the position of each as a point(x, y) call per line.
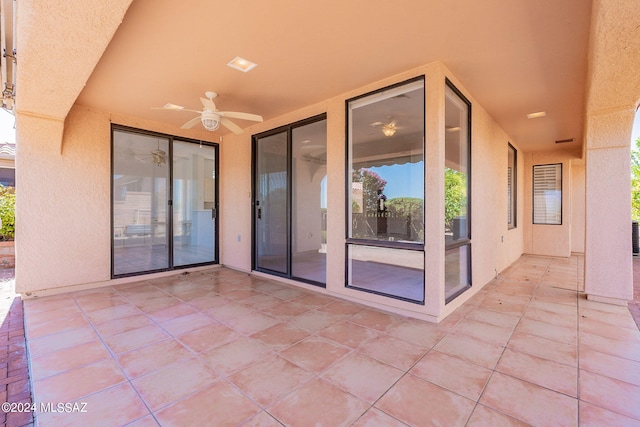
point(157, 156)
point(211, 118)
point(388, 129)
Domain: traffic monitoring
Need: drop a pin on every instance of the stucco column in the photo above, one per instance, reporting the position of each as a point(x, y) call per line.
point(608, 269)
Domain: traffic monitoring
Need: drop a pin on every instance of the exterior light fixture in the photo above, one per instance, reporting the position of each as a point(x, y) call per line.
point(210, 120)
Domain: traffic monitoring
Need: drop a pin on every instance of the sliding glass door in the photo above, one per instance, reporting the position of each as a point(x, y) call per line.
point(194, 203)
point(289, 233)
point(164, 202)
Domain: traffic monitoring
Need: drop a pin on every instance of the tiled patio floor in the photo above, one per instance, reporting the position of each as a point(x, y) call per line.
point(224, 348)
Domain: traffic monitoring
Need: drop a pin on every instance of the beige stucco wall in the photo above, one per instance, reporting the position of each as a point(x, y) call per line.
point(578, 206)
point(67, 240)
point(63, 209)
point(545, 239)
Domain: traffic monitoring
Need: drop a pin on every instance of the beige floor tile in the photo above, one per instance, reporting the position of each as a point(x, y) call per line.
point(70, 358)
point(313, 300)
point(604, 329)
point(90, 303)
point(348, 334)
point(559, 319)
point(261, 301)
point(374, 319)
point(595, 416)
point(180, 309)
point(343, 308)
point(362, 376)
point(56, 326)
point(318, 403)
point(135, 338)
point(545, 373)
point(263, 419)
point(615, 395)
point(221, 402)
point(209, 337)
point(66, 339)
point(483, 416)
point(529, 403)
point(470, 349)
point(236, 355)
point(148, 421)
point(418, 402)
point(38, 318)
point(228, 311)
point(393, 351)
point(417, 332)
point(208, 301)
point(452, 373)
point(286, 310)
point(376, 418)
point(492, 334)
point(125, 324)
point(548, 330)
point(315, 354)
point(152, 357)
point(270, 379)
point(72, 385)
point(112, 313)
point(314, 321)
point(250, 323)
point(545, 348)
point(188, 323)
point(610, 366)
point(625, 349)
point(115, 406)
point(494, 318)
point(174, 382)
point(280, 336)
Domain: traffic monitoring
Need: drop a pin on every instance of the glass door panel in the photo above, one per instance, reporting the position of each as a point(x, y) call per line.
point(309, 228)
point(140, 185)
point(272, 203)
point(194, 203)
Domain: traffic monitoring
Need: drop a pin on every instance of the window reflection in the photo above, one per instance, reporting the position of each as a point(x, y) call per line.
point(386, 192)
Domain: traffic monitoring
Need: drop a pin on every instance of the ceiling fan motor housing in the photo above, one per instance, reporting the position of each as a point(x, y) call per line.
point(210, 120)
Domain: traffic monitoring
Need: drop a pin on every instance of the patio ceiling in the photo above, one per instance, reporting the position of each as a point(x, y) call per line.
point(514, 57)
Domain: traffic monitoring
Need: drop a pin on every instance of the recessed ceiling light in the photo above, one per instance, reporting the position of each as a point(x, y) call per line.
point(536, 115)
point(241, 64)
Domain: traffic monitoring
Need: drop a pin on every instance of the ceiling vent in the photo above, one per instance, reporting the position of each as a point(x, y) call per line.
point(562, 141)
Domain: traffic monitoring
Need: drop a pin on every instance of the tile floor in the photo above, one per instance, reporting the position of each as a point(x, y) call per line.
point(224, 348)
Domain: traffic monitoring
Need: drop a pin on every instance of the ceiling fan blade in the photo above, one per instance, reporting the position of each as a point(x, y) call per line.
point(191, 123)
point(230, 125)
point(208, 104)
point(244, 116)
point(170, 106)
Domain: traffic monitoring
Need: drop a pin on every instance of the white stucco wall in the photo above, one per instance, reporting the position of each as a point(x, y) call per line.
point(578, 206)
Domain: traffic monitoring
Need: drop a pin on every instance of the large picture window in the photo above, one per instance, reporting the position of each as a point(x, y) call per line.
point(385, 191)
point(512, 176)
point(457, 179)
point(547, 194)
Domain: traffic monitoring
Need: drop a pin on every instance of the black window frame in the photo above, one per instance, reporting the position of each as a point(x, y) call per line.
point(463, 242)
point(512, 196)
point(413, 246)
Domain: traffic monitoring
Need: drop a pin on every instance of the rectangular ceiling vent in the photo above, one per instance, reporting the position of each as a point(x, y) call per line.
point(562, 141)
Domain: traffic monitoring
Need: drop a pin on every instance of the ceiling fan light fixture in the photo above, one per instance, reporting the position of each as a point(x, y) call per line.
point(242, 64)
point(388, 130)
point(210, 120)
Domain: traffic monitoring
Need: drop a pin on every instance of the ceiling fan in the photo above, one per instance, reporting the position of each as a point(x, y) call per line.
point(388, 129)
point(157, 156)
point(210, 117)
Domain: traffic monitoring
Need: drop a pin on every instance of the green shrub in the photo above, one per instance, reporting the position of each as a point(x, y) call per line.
point(7, 212)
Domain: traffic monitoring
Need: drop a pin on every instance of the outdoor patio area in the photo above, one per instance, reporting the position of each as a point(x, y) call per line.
point(221, 347)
